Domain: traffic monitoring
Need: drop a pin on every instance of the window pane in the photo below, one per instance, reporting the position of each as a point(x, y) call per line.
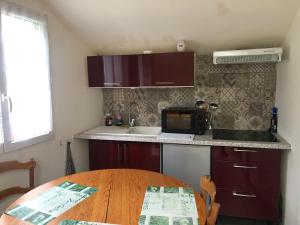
point(27, 77)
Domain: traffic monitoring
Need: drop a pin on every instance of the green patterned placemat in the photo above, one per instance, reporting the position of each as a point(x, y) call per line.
point(169, 206)
point(77, 222)
point(49, 205)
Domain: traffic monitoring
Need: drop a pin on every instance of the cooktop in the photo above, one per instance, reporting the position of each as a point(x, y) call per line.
point(244, 135)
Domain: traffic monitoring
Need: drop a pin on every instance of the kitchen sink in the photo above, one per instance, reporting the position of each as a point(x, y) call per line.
point(152, 131)
point(108, 130)
point(126, 131)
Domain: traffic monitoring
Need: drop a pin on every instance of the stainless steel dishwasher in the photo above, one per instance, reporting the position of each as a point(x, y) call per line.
point(186, 162)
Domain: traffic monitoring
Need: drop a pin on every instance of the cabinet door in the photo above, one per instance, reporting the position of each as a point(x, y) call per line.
point(105, 154)
point(145, 156)
point(95, 71)
point(253, 205)
point(247, 177)
point(113, 71)
point(145, 71)
point(120, 71)
point(167, 69)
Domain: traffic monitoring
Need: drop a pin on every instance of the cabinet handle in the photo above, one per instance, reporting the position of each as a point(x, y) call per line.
point(244, 150)
point(244, 167)
point(125, 154)
point(243, 195)
point(165, 83)
point(112, 84)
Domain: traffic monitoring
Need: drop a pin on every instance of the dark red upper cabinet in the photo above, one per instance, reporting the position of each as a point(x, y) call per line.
point(113, 71)
point(95, 71)
point(168, 69)
point(160, 69)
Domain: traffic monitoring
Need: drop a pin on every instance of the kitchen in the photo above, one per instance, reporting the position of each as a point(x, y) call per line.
point(243, 93)
point(166, 134)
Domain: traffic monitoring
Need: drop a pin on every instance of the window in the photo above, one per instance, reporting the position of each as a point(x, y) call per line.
point(25, 87)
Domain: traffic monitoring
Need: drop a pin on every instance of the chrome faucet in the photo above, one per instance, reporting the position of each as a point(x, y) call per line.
point(131, 121)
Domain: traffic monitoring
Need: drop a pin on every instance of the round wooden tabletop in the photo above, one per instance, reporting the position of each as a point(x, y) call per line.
point(118, 201)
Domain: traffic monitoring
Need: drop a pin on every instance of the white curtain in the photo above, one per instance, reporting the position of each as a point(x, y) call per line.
point(25, 74)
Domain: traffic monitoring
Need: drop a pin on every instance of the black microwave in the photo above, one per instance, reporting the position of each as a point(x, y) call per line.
point(184, 120)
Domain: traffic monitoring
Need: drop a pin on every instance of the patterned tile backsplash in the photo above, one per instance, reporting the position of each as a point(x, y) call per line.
point(245, 94)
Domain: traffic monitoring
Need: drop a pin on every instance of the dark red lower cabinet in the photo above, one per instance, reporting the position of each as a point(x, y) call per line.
point(249, 204)
point(104, 155)
point(247, 181)
point(118, 154)
point(145, 156)
point(246, 177)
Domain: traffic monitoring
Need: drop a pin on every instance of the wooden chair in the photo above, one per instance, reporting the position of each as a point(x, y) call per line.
point(208, 192)
point(15, 165)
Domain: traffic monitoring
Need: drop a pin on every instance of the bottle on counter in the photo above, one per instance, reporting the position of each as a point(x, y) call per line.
point(108, 120)
point(274, 120)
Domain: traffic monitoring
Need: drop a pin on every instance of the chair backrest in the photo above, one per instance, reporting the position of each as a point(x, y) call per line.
point(208, 192)
point(15, 165)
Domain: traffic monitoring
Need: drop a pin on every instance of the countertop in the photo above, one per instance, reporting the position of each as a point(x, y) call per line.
point(205, 139)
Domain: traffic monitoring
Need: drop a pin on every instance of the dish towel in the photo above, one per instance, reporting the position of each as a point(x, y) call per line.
point(70, 168)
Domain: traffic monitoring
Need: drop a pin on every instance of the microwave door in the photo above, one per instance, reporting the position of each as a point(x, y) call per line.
point(179, 122)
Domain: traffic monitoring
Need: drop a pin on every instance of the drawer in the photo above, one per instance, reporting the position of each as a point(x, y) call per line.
point(266, 157)
point(245, 176)
point(253, 205)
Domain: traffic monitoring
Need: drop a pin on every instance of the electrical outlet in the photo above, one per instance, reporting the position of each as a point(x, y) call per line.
point(62, 141)
point(70, 138)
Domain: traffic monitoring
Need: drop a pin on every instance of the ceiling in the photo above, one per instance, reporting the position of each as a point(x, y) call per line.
point(131, 26)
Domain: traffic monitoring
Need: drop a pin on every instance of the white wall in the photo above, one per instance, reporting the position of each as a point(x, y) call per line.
point(207, 25)
point(76, 107)
point(288, 101)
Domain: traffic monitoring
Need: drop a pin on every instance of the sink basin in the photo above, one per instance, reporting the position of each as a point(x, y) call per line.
point(125, 131)
point(152, 131)
point(108, 130)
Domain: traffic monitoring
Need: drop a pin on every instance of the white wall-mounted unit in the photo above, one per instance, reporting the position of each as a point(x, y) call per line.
point(264, 55)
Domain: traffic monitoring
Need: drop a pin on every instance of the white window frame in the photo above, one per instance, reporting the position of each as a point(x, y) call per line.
point(8, 146)
point(1, 148)
point(1, 106)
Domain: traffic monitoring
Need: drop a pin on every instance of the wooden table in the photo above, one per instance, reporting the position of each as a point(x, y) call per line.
point(118, 201)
